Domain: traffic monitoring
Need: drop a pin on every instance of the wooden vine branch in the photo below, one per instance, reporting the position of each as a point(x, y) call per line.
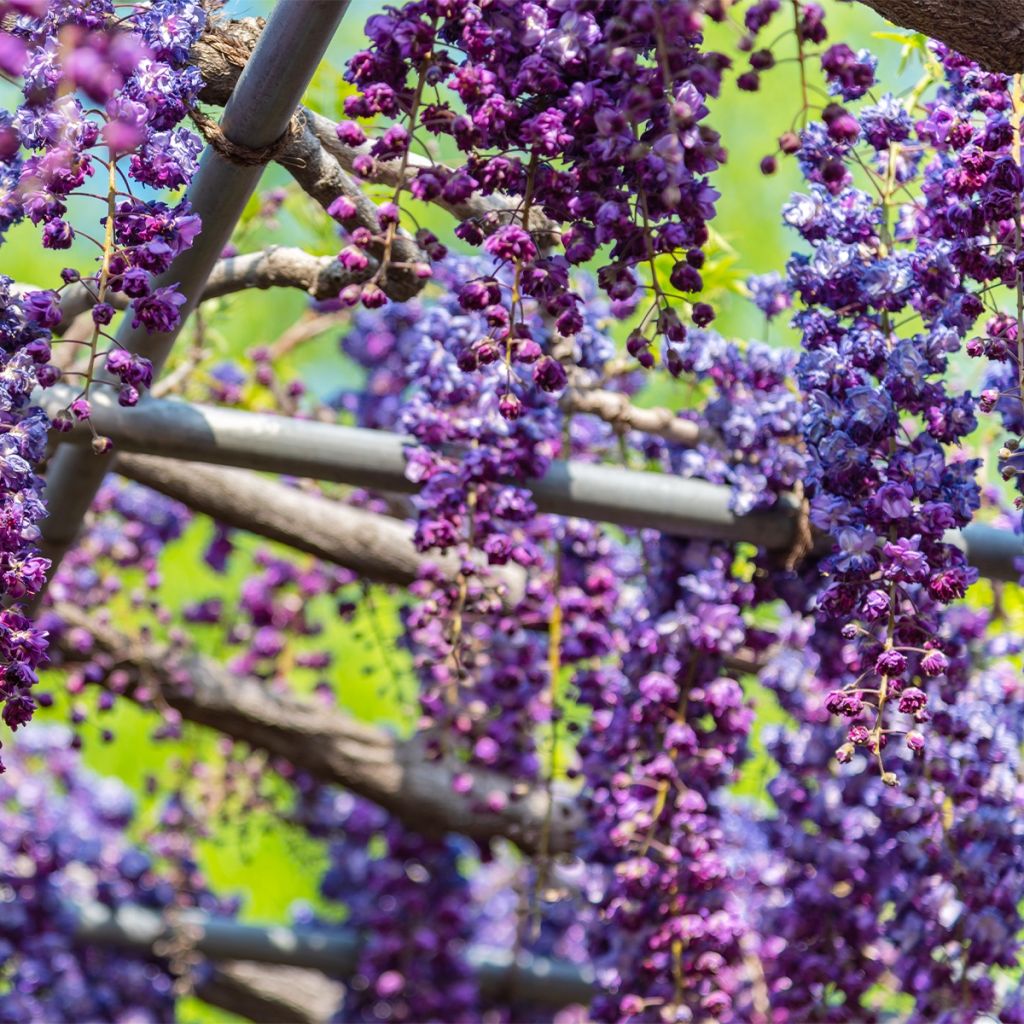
point(271, 994)
point(988, 31)
point(330, 746)
point(221, 52)
point(490, 212)
point(322, 277)
point(374, 546)
point(321, 176)
point(617, 410)
point(277, 266)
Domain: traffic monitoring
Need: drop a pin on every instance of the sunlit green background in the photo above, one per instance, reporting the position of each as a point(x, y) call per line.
point(269, 864)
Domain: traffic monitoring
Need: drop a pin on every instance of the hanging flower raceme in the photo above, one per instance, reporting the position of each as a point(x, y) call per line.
point(409, 904)
point(64, 848)
point(23, 442)
point(670, 722)
point(98, 87)
point(482, 638)
point(669, 730)
point(971, 201)
point(885, 479)
point(591, 119)
point(910, 887)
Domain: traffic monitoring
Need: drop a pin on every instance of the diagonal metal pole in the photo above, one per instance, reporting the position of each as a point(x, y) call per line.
point(257, 115)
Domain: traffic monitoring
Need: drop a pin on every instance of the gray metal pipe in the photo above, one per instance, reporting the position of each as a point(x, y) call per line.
point(332, 951)
point(257, 114)
point(139, 928)
point(376, 459)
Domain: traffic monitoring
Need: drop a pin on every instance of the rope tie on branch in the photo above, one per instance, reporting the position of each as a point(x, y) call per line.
point(803, 536)
point(244, 156)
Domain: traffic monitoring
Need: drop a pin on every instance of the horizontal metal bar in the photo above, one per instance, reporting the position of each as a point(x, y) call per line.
point(134, 927)
point(332, 951)
point(376, 459)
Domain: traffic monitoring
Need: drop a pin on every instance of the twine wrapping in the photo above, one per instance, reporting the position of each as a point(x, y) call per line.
point(244, 156)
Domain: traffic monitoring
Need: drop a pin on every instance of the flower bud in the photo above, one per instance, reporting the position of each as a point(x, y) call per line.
point(789, 142)
point(342, 208)
point(509, 406)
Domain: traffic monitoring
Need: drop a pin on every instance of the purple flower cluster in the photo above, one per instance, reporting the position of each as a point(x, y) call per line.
point(971, 191)
point(409, 902)
point(23, 430)
point(886, 479)
point(769, 293)
point(750, 418)
point(912, 888)
point(276, 622)
point(64, 847)
point(133, 70)
point(593, 116)
point(668, 732)
point(481, 638)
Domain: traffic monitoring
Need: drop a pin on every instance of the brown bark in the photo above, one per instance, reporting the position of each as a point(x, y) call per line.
point(617, 410)
point(988, 31)
point(329, 745)
point(322, 177)
point(272, 994)
point(277, 266)
point(221, 53)
point(373, 546)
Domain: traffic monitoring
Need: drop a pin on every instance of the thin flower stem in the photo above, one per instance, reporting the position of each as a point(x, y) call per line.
point(104, 281)
point(802, 61)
